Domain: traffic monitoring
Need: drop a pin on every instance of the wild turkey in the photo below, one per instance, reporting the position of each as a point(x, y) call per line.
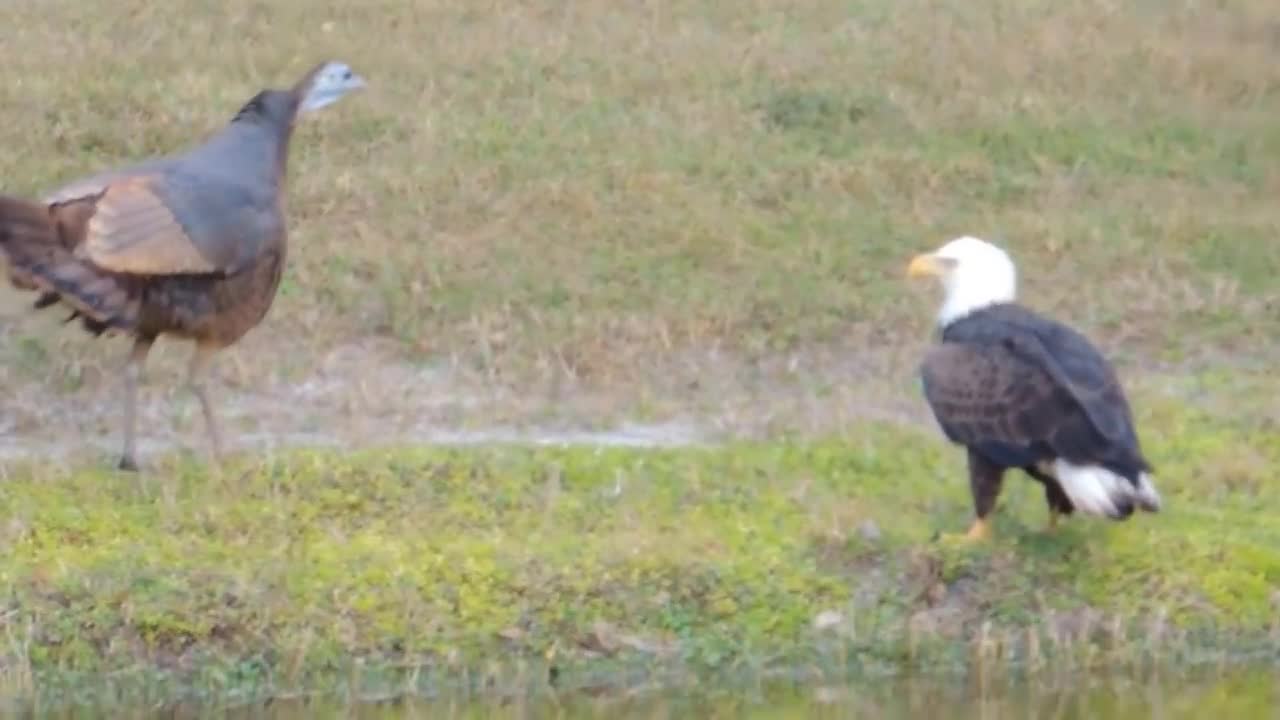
point(190, 245)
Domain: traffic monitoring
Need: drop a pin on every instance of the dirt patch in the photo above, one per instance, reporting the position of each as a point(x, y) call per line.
point(364, 393)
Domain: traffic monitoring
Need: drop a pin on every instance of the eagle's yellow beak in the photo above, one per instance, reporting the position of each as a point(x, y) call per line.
point(925, 265)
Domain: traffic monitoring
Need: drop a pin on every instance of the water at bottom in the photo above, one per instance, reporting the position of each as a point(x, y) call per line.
point(1221, 695)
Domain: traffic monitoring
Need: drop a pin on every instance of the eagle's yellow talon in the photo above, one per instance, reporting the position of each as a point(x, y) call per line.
point(980, 530)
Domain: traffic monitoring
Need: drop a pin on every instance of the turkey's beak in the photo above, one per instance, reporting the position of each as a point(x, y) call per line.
point(926, 265)
point(355, 82)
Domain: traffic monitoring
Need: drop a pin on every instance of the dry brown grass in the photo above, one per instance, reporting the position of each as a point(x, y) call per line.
point(585, 211)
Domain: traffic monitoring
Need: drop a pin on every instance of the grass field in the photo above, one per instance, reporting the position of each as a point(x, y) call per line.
point(673, 212)
point(689, 215)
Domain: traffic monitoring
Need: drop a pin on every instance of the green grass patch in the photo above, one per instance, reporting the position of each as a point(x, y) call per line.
point(445, 565)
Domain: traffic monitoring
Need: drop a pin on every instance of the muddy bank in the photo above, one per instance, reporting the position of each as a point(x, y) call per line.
point(364, 394)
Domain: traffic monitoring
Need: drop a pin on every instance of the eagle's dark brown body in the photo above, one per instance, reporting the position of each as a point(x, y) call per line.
point(191, 245)
point(1020, 390)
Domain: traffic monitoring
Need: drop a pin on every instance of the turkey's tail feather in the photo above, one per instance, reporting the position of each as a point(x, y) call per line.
point(41, 258)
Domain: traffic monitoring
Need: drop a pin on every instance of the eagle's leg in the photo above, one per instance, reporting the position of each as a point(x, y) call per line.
point(132, 373)
point(985, 481)
point(1052, 525)
point(1054, 496)
point(1058, 503)
point(197, 372)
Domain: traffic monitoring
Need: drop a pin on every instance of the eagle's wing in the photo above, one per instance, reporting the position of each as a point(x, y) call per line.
point(1079, 369)
point(990, 399)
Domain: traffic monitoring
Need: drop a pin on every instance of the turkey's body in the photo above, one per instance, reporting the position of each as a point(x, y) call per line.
point(213, 310)
point(191, 245)
point(225, 196)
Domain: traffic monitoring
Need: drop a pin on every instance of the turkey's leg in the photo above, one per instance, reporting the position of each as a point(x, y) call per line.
point(132, 372)
point(197, 372)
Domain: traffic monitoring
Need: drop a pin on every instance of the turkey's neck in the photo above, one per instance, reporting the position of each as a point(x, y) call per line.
point(253, 148)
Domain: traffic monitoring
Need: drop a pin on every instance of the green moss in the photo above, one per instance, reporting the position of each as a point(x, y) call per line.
point(449, 560)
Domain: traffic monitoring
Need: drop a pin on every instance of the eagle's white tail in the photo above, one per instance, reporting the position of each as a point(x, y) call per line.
point(1098, 491)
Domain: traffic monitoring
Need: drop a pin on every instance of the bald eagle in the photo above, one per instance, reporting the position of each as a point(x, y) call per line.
point(1022, 391)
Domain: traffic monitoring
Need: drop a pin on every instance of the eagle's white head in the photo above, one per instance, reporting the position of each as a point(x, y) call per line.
point(973, 272)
